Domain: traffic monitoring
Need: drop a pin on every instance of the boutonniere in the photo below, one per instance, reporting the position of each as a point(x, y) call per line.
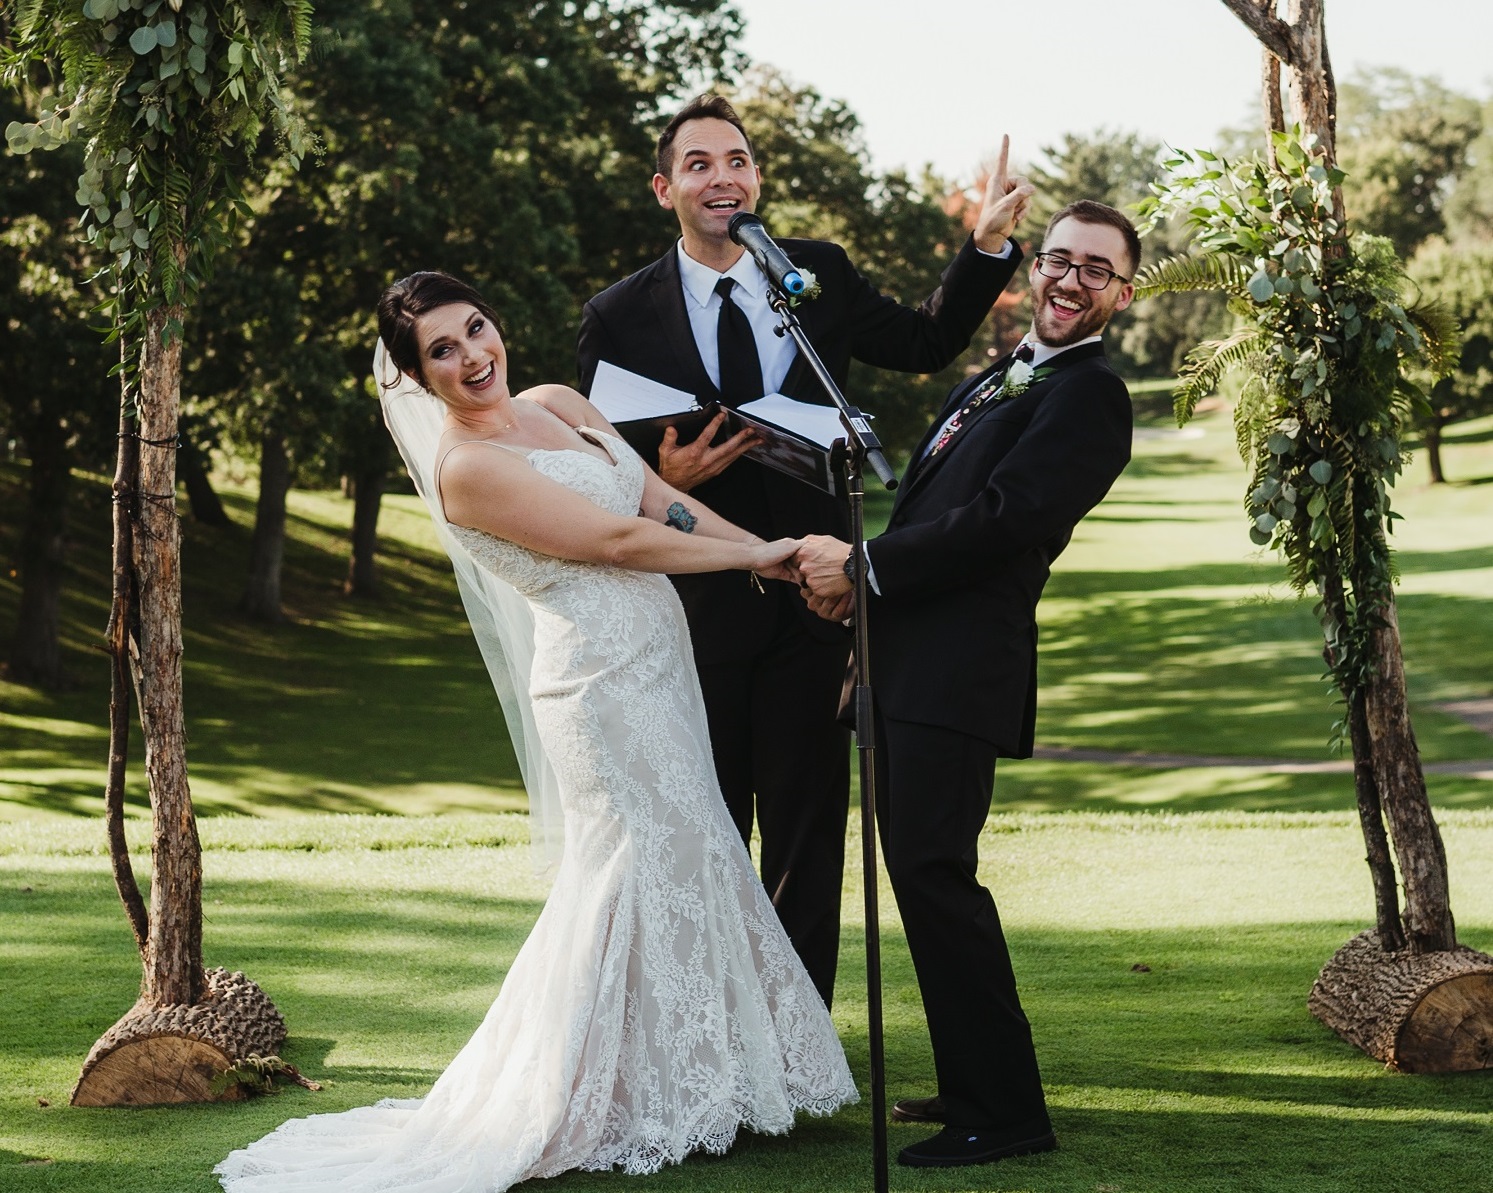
point(811, 289)
point(1021, 376)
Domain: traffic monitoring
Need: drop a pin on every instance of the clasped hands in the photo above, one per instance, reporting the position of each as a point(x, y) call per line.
point(824, 586)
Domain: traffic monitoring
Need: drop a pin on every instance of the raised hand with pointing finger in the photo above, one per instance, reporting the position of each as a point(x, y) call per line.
point(1003, 205)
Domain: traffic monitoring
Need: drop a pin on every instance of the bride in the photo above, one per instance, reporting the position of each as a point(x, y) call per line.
point(657, 1005)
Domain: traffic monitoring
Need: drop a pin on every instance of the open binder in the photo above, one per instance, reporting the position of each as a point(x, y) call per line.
point(797, 439)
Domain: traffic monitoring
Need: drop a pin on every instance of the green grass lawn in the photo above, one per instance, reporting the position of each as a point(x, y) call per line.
point(383, 940)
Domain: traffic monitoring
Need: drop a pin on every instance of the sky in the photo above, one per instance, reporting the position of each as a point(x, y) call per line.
point(939, 81)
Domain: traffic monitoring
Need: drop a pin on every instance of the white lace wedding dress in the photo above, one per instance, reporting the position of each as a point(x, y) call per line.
point(657, 1005)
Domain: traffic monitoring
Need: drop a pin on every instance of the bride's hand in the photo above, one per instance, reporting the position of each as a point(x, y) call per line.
point(774, 560)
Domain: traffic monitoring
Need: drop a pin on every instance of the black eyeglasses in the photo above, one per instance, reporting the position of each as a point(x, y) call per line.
point(1090, 277)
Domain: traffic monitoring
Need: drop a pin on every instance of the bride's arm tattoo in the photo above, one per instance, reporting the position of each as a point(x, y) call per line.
point(679, 517)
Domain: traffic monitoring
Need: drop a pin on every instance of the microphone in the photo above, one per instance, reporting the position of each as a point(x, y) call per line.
point(748, 231)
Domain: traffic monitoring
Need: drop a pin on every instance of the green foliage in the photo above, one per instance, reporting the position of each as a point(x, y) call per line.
point(1460, 277)
point(1326, 340)
point(170, 96)
point(1402, 140)
point(1469, 206)
point(55, 367)
point(504, 142)
point(255, 1075)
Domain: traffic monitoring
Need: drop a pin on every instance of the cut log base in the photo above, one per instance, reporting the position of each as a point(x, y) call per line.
point(1419, 1013)
point(159, 1055)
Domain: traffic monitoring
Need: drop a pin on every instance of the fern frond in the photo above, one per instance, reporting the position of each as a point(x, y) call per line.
point(1207, 363)
point(1441, 337)
point(1192, 272)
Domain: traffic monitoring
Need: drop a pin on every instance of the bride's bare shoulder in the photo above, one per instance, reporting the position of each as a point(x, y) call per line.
point(565, 403)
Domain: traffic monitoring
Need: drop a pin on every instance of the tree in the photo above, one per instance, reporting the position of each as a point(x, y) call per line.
point(1326, 337)
point(1403, 140)
point(57, 396)
point(166, 97)
point(1460, 277)
point(1469, 207)
point(503, 142)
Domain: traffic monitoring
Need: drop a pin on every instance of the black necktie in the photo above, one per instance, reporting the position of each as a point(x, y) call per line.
point(741, 371)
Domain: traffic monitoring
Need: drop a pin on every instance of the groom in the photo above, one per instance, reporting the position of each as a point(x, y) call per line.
point(1017, 457)
point(698, 319)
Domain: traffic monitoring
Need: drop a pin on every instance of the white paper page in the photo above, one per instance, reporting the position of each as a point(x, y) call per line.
point(623, 396)
point(819, 424)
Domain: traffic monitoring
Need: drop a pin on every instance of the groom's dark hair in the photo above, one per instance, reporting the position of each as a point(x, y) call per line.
point(702, 107)
point(405, 301)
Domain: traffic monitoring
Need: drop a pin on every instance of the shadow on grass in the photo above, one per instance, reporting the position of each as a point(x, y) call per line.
point(1204, 1073)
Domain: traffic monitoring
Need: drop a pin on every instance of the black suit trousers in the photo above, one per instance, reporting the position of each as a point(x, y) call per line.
point(933, 793)
point(781, 756)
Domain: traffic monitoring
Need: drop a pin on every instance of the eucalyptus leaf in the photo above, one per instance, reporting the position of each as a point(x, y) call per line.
point(1261, 289)
point(1258, 537)
point(143, 39)
point(1280, 445)
point(1321, 471)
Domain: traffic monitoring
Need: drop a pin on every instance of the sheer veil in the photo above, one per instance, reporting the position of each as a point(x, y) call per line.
point(500, 617)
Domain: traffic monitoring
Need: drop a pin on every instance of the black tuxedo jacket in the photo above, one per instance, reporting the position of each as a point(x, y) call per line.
point(970, 543)
point(641, 324)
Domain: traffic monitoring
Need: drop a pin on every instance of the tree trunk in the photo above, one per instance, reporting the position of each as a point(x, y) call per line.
point(362, 565)
point(36, 650)
point(1433, 450)
point(1402, 784)
point(1391, 931)
point(1427, 1013)
point(204, 502)
point(123, 637)
point(173, 955)
point(261, 599)
point(368, 493)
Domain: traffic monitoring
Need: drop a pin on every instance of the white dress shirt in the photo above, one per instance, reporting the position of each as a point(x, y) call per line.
point(775, 353)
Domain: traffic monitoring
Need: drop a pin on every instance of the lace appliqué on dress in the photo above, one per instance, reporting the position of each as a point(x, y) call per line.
point(657, 1006)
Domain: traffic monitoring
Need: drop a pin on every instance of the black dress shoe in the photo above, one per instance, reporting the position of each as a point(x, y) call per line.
point(954, 1147)
point(918, 1110)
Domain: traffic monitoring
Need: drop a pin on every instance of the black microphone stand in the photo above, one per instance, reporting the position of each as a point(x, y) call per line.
point(859, 448)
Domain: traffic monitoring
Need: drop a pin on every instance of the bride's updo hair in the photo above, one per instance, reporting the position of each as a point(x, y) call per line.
point(409, 298)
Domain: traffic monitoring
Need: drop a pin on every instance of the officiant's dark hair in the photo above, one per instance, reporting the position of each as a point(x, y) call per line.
point(1091, 211)
point(702, 107)
point(409, 298)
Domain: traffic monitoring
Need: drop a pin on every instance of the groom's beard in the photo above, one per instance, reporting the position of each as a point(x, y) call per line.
point(1099, 307)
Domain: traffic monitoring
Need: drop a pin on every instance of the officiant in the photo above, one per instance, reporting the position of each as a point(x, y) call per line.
point(698, 319)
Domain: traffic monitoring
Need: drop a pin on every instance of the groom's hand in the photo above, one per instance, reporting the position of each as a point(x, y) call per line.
point(829, 608)
point(1004, 205)
point(821, 560)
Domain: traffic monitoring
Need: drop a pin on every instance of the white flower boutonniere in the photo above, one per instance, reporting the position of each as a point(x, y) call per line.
point(1018, 377)
point(811, 289)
